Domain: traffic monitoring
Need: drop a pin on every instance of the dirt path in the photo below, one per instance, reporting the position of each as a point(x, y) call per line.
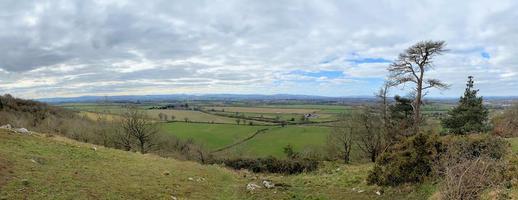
point(240, 142)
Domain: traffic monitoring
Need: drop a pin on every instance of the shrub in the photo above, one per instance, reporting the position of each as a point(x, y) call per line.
point(410, 161)
point(506, 124)
point(475, 146)
point(272, 165)
point(471, 164)
point(467, 178)
point(428, 156)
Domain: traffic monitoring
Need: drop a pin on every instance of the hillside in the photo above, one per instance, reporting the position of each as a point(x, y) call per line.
point(38, 166)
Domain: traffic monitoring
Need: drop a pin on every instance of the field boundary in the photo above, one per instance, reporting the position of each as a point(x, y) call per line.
point(241, 141)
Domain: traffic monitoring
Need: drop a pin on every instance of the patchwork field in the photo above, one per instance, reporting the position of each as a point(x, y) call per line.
point(190, 115)
point(264, 110)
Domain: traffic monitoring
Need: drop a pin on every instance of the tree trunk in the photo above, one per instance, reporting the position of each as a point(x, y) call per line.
point(417, 103)
point(142, 150)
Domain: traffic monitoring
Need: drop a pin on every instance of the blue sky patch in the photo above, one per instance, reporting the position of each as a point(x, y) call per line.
point(485, 55)
point(368, 60)
point(318, 74)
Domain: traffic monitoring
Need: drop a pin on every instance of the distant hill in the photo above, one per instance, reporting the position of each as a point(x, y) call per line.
point(181, 97)
point(243, 97)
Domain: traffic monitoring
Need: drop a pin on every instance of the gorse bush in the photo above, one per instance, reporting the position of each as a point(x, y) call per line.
point(426, 156)
point(272, 165)
point(474, 146)
point(410, 161)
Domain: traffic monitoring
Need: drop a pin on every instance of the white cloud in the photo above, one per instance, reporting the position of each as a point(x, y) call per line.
point(55, 48)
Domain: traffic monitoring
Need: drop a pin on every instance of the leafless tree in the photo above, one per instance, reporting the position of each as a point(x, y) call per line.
point(340, 140)
point(369, 135)
point(410, 67)
point(382, 96)
point(136, 124)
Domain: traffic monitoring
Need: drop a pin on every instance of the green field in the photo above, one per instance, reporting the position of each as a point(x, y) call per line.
point(211, 136)
point(268, 143)
point(272, 141)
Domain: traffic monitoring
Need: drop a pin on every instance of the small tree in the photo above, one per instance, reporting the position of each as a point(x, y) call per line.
point(340, 140)
point(161, 116)
point(238, 121)
point(470, 115)
point(410, 67)
point(401, 120)
point(290, 153)
point(369, 135)
point(136, 125)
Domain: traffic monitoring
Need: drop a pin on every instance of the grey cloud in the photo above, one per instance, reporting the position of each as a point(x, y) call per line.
point(135, 45)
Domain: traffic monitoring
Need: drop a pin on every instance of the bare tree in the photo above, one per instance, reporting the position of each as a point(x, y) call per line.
point(410, 67)
point(369, 134)
point(340, 140)
point(382, 97)
point(136, 125)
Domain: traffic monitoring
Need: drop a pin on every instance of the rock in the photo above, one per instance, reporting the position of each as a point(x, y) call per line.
point(173, 197)
point(252, 186)
point(378, 193)
point(361, 191)
point(22, 131)
point(94, 148)
point(268, 184)
point(7, 126)
point(200, 179)
point(190, 179)
point(166, 173)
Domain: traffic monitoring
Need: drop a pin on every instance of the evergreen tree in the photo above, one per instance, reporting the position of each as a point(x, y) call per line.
point(401, 113)
point(470, 115)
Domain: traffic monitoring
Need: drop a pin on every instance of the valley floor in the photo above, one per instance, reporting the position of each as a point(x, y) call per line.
point(41, 167)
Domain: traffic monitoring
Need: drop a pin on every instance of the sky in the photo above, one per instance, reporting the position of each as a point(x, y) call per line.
point(320, 47)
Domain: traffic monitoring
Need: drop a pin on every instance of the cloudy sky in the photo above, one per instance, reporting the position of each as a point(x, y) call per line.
point(332, 48)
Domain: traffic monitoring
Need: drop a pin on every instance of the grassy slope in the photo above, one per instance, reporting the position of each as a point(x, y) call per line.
point(67, 169)
point(71, 170)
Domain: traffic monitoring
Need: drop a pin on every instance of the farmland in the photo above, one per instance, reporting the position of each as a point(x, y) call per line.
point(217, 125)
point(212, 129)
